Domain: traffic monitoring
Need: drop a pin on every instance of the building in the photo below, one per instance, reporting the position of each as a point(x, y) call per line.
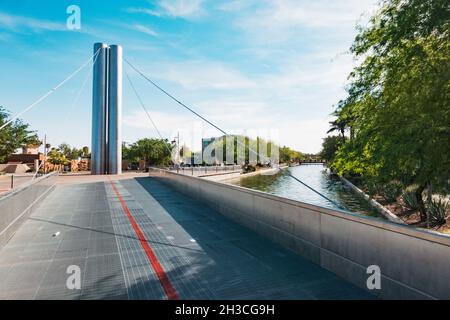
point(30, 154)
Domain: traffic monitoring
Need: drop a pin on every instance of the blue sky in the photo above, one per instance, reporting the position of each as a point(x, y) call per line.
point(263, 66)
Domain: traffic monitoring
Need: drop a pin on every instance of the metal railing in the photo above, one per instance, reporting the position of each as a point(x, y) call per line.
point(204, 170)
point(18, 203)
point(10, 182)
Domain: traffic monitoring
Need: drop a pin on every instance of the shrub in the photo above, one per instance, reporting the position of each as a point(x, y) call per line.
point(249, 168)
point(391, 191)
point(438, 211)
point(409, 198)
point(372, 188)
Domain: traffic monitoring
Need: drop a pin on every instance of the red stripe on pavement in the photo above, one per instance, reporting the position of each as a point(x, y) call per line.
point(161, 274)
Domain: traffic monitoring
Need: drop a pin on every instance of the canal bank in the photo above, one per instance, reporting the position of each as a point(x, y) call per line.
point(376, 205)
point(314, 175)
point(235, 176)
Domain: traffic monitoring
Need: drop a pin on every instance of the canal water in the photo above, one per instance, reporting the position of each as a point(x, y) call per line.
point(316, 177)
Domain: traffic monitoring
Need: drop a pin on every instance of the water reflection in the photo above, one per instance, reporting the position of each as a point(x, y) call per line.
point(316, 177)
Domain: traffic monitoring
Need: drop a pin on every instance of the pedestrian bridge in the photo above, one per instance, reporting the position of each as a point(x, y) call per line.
point(174, 236)
point(133, 237)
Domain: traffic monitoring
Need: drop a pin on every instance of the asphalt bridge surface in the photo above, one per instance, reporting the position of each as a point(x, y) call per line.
point(138, 239)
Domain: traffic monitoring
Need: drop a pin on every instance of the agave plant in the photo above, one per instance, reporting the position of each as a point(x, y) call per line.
point(409, 198)
point(392, 190)
point(371, 187)
point(438, 211)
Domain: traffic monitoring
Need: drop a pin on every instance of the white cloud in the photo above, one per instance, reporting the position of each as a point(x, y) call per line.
point(182, 8)
point(310, 74)
point(235, 5)
point(137, 125)
point(238, 112)
point(145, 30)
point(144, 11)
point(278, 21)
point(296, 100)
point(321, 13)
point(186, 9)
point(165, 122)
point(20, 23)
point(205, 75)
point(304, 135)
point(242, 114)
point(297, 49)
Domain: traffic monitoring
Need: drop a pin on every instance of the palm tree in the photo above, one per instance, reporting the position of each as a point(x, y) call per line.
point(346, 116)
point(338, 125)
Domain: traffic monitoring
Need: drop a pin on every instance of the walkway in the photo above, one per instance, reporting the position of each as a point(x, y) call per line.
point(196, 252)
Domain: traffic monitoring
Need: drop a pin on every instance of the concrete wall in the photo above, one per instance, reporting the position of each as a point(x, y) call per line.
point(17, 205)
point(415, 264)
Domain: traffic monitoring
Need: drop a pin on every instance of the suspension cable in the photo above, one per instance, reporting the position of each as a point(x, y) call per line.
point(83, 85)
point(226, 134)
point(145, 110)
point(69, 111)
point(50, 91)
point(173, 98)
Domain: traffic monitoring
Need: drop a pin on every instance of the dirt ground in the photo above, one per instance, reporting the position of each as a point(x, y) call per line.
point(411, 217)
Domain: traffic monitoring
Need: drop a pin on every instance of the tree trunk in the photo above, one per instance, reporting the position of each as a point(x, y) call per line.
point(429, 200)
point(421, 204)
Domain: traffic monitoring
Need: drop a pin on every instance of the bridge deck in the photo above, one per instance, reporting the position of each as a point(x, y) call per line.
point(202, 254)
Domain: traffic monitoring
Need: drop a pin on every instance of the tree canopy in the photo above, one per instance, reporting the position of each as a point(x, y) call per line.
point(15, 135)
point(57, 157)
point(152, 151)
point(329, 147)
point(397, 108)
point(264, 149)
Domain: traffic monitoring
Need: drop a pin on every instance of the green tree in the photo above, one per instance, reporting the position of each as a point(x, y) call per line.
point(56, 157)
point(65, 149)
point(398, 98)
point(85, 151)
point(126, 152)
point(330, 146)
point(15, 135)
point(33, 140)
point(152, 151)
point(339, 124)
point(248, 144)
point(75, 153)
point(287, 155)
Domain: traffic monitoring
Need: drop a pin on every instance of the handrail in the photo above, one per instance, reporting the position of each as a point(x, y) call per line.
point(26, 184)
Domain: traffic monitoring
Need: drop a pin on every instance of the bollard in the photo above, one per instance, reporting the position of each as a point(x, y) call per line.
point(12, 181)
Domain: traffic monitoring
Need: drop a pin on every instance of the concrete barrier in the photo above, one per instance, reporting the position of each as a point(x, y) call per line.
point(414, 263)
point(374, 204)
point(17, 205)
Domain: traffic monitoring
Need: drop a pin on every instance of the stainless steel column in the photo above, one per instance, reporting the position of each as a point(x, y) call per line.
point(99, 110)
point(115, 110)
